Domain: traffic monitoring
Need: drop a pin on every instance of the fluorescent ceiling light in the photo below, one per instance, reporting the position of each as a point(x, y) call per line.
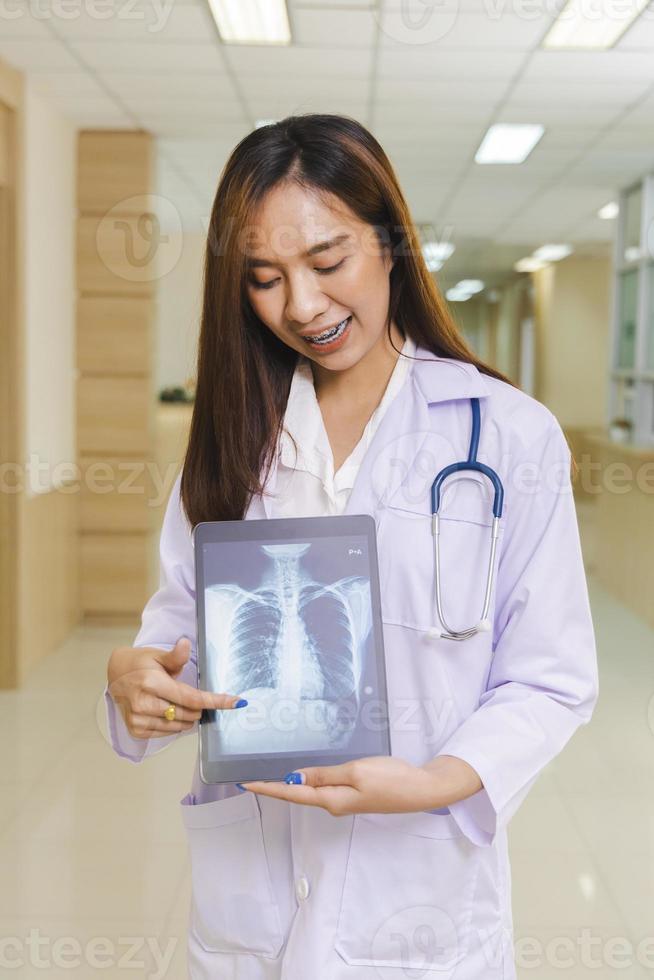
point(529, 264)
point(579, 27)
point(470, 286)
point(437, 253)
point(610, 210)
point(632, 254)
point(552, 253)
point(508, 142)
point(455, 295)
point(251, 21)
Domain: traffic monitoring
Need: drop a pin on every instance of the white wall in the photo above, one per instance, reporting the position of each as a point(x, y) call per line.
point(49, 212)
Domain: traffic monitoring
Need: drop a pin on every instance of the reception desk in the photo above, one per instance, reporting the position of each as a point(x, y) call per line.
point(619, 478)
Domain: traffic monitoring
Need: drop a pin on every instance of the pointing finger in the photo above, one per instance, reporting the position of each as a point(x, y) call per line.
point(191, 697)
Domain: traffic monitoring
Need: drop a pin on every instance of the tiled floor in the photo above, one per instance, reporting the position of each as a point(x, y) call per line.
point(93, 861)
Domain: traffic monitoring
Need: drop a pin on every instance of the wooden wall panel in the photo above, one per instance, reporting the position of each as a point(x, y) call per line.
point(114, 168)
point(119, 494)
point(6, 145)
point(112, 258)
point(50, 573)
point(114, 574)
point(116, 259)
point(114, 335)
point(114, 415)
point(585, 452)
point(625, 524)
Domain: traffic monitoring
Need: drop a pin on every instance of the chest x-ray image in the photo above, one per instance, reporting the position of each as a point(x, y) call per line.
point(287, 634)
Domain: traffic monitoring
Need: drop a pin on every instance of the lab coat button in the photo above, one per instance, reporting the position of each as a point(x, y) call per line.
point(302, 888)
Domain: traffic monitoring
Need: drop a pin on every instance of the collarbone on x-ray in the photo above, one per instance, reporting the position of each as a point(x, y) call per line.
point(292, 646)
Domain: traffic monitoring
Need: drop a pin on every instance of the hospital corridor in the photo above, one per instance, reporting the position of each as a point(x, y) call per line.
point(402, 251)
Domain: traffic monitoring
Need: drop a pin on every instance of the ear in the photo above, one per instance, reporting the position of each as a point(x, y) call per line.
point(389, 258)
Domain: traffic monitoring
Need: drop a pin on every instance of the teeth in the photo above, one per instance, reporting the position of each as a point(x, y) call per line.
point(322, 338)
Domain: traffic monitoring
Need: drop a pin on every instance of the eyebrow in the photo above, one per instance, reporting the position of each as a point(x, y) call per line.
point(314, 250)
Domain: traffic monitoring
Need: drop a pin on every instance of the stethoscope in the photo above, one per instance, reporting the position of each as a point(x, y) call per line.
point(484, 624)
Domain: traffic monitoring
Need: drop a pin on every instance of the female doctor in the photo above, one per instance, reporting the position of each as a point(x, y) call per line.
point(332, 379)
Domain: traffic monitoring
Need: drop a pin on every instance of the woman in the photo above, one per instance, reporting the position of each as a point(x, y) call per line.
point(331, 376)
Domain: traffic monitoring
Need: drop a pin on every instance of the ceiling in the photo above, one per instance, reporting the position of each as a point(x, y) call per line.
point(427, 93)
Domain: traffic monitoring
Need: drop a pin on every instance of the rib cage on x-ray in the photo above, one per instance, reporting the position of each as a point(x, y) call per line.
point(291, 637)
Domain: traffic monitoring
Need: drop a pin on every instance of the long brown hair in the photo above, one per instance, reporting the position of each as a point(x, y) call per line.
point(244, 371)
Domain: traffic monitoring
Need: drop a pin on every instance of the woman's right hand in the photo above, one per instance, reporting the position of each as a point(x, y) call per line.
point(141, 681)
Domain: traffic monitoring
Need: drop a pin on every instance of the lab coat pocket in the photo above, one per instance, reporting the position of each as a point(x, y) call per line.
point(233, 904)
point(406, 561)
point(408, 891)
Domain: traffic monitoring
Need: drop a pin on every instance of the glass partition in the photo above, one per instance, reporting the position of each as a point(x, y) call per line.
point(649, 319)
point(633, 202)
point(631, 409)
point(628, 288)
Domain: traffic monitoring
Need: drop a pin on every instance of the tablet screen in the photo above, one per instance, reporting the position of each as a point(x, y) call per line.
point(290, 624)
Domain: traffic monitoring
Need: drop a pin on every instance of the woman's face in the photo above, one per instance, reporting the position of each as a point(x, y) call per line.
point(328, 303)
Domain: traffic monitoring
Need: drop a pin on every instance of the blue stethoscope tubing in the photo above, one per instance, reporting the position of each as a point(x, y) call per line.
point(471, 463)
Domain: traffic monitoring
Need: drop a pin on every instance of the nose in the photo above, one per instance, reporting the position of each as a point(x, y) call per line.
point(305, 300)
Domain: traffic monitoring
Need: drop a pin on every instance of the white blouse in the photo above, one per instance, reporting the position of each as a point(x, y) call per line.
point(307, 485)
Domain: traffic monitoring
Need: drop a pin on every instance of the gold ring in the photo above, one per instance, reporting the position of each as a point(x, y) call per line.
point(169, 713)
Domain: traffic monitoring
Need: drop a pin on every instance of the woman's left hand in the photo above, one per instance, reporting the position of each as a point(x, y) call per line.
point(376, 784)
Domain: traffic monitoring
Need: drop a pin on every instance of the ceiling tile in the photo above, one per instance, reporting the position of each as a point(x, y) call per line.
point(93, 113)
point(434, 113)
point(463, 30)
point(332, 4)
point(410, 63)
point(641, 115)
point(151, 55)
point(421, 89)
point(18, 21)
point(584, 93)
point(593, 230)
point(626, 137)
point(264, 107)
point(593, 67)
point(337, 27)
point(413, 138)
point(640, 36)
point(214, 110)
point(286, 86)
point(35, 55)
point(75, 83)
point(169, 84)
point(192, 127)
point(567, 112)
point(568, 136)
point(248, 59)
point(142, 21)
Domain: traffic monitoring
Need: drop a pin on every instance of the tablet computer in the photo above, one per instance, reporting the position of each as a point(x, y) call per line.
point(289, 617)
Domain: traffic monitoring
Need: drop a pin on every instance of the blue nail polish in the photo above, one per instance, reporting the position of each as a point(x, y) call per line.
point(240, 703)
point(293, 778)
point(242, 788)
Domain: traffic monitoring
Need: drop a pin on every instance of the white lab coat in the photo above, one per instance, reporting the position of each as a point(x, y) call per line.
point(289, 892)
